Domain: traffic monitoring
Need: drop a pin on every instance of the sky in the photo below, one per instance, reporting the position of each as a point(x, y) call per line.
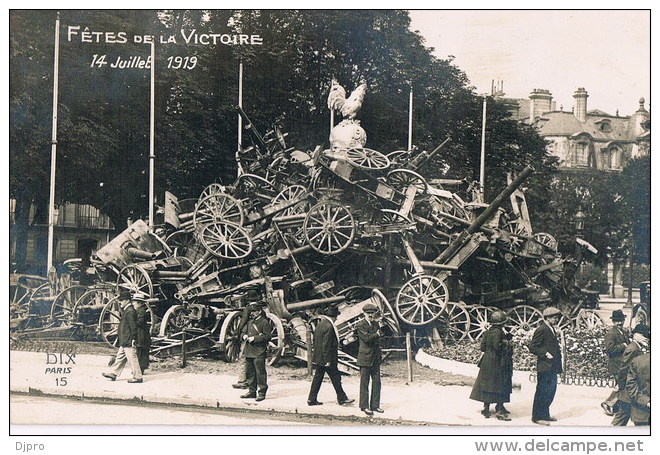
point(606, 52)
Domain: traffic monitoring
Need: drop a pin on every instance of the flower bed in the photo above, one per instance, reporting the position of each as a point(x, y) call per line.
point(585, 355)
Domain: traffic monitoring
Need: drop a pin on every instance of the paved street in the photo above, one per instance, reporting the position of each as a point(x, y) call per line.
point(417, 407)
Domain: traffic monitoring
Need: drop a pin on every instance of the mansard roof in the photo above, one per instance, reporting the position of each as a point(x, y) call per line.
point(560, 123)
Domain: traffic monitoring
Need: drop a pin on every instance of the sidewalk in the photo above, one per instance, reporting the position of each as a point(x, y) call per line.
point(576, 407)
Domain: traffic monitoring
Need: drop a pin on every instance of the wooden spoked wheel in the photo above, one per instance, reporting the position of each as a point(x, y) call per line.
point(440, 206)
point(522, 317)
point(388, 313)
point(588, 320)
point(213, 188)
point(518, 233)
point(421, 300)
point(135, 278)
point(111, 315)
point(454, 323)
point(479, 320)
point(226, 240)
point(401, 179)
point(546, 240)
point(329, 227)
point(230, 337)
point(292, 193)
point(217, 207)
point(61, 311)
point(276, 342)
point(367, 158)
point(397, 155)
point(93, 298)
point(40, 299)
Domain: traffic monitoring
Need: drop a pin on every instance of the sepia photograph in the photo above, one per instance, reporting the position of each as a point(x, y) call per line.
point(330, 222)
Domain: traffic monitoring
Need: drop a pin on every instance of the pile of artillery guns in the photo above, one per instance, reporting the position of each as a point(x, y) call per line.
point(341, 226)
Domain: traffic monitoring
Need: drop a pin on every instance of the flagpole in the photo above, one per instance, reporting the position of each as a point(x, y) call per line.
point(152, 149)
point(410, 120)
point(482, 167)
point(240, 104)
point(53, 149)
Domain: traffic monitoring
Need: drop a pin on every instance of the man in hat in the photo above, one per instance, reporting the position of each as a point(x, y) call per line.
point(143, 336)
point(616, 340)
point(324, 358)
point(545, 346)
point(251, 296)
point(638, 346)
point(259, 332)
point(638, 386)
point(369, 359)
point(126, 339)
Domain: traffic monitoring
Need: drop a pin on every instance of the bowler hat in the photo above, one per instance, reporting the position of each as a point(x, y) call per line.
point(252, 295)
point(370, 308)
point(332, 311)
point(643, 330)
point(551, 311)
point(617, 315)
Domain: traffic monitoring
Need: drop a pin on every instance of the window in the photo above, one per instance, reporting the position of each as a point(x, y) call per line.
point(606, 126)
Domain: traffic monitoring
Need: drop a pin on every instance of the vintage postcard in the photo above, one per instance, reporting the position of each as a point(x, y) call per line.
point(331, 222)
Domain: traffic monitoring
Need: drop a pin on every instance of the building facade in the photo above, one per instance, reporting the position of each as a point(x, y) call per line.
point(79, 231)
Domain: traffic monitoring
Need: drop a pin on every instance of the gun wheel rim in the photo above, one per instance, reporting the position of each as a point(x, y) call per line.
point(421, 300)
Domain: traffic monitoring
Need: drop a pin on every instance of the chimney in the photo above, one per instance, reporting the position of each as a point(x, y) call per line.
point(540, 102)
point(580, 112)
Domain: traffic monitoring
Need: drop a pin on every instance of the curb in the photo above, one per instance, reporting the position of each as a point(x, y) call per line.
point(520, 378)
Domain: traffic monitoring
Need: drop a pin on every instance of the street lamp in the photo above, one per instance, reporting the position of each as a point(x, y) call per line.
point(579, 222)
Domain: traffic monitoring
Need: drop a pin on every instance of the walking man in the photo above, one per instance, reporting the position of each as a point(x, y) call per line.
point(638, 346)
point(258, 334)
point(638, 386)
point(126, 339)
point(324, 358)
point(369, 359)
point(251, 296)
point(616, 340)
point(143, 337)
point(545, 346)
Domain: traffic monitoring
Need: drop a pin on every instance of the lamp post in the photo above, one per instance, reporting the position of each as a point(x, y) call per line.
point(629, 302)
point(579, 223)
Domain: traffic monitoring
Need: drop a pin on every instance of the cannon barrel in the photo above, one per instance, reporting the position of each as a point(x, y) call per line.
point(250, 126)
point(141, 254)
point(314, 303)
point(485, 216)
point(423, 157)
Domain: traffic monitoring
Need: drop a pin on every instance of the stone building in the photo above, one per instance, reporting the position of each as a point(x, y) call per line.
point(79, 231)
point(586, 140)
point(582, 138)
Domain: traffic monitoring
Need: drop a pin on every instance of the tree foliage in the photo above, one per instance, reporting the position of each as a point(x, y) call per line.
point(103, 123)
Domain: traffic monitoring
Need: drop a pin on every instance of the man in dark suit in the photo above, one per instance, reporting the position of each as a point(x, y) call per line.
point(369, 359)
point(126, 339)
point(638, 386)
point(545, 346)
point(638, 345)
point(616, 340)
point(143, 336)
point(257, 336)
point(324, 358)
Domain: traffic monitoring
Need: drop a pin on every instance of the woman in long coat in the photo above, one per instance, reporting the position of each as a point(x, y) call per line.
point(493, 384)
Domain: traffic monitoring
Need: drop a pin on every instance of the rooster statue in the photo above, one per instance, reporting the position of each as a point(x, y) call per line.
point(348, 107)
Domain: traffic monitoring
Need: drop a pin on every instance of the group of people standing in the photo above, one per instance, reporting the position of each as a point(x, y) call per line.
point(325, 356)
point(494, 382)
point(629, 362)
point(133, 337)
